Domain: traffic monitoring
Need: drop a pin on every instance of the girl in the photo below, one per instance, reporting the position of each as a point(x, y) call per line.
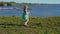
point(26, 15)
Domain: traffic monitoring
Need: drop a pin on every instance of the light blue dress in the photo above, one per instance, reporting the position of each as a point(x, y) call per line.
point(25, 16)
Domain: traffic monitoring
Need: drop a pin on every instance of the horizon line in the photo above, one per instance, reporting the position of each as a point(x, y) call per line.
point(33, 2)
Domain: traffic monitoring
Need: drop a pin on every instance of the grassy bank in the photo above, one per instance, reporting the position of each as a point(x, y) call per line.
point(36, 25)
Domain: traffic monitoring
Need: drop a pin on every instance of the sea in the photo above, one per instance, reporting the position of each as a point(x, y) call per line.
point(42, 10)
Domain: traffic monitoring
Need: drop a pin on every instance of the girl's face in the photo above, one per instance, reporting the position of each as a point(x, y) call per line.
point(26, 6)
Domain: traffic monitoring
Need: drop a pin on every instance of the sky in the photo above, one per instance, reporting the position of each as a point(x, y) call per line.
point(35, 1)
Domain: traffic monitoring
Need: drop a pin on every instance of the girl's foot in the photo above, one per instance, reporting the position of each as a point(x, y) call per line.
point(25, 25)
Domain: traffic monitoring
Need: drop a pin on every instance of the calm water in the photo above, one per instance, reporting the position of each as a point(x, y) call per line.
point(37, 10)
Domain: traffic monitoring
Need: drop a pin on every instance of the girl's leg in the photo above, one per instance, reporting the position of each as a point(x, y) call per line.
point(26, 22)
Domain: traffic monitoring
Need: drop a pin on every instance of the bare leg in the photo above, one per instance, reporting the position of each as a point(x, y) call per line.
point(26, 22)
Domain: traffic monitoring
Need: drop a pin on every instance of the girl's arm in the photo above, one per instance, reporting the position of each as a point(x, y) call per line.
point(29, 9)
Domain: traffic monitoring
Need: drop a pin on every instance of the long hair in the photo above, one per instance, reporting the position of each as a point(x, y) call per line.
point(25, 7)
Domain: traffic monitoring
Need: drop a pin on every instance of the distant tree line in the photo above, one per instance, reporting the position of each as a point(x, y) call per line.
point(8, 3)
point(13, 4)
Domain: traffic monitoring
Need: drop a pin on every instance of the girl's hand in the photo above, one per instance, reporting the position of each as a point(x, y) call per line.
point(29, 9)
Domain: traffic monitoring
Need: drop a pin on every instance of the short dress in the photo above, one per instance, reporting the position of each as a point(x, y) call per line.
point(25, 16)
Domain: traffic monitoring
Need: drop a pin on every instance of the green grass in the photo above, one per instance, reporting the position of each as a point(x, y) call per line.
point(36, 25)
